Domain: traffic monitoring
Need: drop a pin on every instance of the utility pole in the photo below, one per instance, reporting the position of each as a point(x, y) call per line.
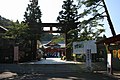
point(109, 19)
point(109, 53)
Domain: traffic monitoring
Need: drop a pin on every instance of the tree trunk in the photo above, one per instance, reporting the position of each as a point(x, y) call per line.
point(67, 50)
point(34, 49)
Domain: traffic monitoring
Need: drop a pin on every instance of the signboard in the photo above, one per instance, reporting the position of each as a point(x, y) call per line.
point(81, 47)
point(114, 53)
point(109, 60)
point(16, 53)
point(119, 53)
point(88, 59)
point(109, 65)
point(78, 48)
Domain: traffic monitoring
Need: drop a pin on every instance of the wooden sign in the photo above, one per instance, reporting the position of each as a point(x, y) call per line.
point(119, 53)
point(16, 53)
point(114, 53)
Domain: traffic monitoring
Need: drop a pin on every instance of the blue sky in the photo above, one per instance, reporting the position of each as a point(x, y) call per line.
point(114, 11)
point(14, 9)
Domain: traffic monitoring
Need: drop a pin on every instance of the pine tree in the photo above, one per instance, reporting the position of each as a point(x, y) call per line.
point(32, 14)
point(91, 25)
point(68, 15)
point(33, 19)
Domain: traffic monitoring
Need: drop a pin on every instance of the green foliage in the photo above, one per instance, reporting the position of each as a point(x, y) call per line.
point(69, 14)
point(32, 14)
point(90, 18)
point(91, 26)
point(33, 18)
point(46, 37)
point(58, 38)
point(53, 38)
point(17, 31)
point(90, 3)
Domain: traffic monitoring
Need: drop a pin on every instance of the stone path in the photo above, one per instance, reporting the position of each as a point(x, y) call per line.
point(52, 69)
point(52, 61)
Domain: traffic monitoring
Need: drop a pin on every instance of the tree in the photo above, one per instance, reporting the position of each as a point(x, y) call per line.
point(18, 31)
point(96, 6)
point(68, 15)
point(58, 38)
point(93, 14)
point(33, 19)
point(16, 34)
point(32, 14)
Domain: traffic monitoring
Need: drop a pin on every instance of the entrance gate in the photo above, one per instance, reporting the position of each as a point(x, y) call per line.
point(61, 28)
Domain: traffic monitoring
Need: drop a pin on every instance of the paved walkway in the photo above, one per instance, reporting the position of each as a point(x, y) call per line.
point(52, 61)
point(57, 73)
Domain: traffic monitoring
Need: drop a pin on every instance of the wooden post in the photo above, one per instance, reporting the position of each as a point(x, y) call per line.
point(16, 54)
point(109, 60)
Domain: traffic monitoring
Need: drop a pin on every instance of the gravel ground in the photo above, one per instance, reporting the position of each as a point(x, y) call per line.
point(63, 76)
point(57, 71)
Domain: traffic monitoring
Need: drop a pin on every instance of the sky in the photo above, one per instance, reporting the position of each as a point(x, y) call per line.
point(14, 10)
point(114, 11)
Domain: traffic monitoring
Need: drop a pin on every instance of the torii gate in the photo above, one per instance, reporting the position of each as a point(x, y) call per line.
point(64, 29)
